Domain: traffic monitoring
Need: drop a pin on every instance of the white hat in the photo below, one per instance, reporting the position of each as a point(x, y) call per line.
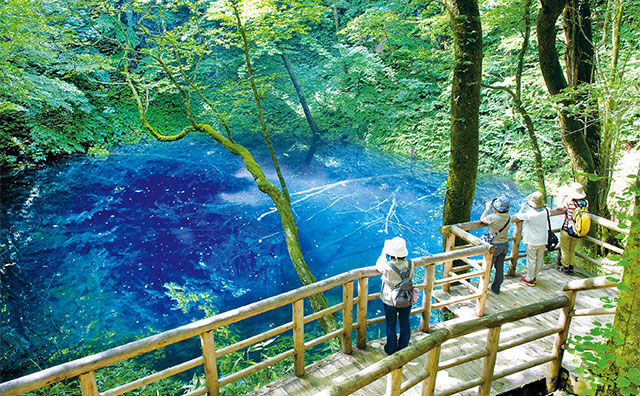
point(536, 200)
point(577, 192)
point(396, 247)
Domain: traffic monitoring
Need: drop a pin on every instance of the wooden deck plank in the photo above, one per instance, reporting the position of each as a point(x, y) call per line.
point(513, 294)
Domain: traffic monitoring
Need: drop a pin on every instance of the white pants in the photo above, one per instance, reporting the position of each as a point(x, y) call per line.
point(535, 254)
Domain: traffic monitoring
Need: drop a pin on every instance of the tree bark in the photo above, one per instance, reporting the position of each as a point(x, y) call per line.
point(572, 131)
point(580, 61)
point(465, 104)
point(627, 320)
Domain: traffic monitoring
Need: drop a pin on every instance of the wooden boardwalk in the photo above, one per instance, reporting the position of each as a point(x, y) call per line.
point(514, 293)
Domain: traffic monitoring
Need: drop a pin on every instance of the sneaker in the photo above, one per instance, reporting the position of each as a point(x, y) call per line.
point(529, 283)
point(569, 270)
point(560, 268)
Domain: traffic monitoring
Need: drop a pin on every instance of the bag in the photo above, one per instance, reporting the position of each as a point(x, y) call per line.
point(488, 237)
point(552, 239)
point(581, 221)
point(403, 293)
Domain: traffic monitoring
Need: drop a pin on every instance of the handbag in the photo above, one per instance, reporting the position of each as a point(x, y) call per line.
point(552, 239)
point(488, 237)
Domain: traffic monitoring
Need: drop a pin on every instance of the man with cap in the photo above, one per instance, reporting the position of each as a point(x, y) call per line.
point(568, 240)
point(394, 251)
point(498, 223)
point(534, 215)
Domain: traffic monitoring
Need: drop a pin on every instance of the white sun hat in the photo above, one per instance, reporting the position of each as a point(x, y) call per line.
point(577, 191)
point(396, 247)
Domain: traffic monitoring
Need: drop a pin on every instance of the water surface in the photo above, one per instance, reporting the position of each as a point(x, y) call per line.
point(93, 243)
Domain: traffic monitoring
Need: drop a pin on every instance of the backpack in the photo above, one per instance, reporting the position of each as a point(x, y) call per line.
point(402, 293)
point(581, 221)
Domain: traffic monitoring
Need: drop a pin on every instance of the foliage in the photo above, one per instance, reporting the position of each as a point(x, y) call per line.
point(54, 101)
point(190, 300)
point(118, 374)
point(602, 368)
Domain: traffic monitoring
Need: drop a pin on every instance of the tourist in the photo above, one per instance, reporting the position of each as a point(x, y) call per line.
point(394, 252)
point(498, 224)
point(568, 239)
point(534, 215)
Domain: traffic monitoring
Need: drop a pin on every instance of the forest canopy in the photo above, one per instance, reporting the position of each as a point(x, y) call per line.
point(373, 73)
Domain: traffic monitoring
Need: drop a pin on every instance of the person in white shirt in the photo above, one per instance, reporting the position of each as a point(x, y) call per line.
point(534, 235)
point(394, 251)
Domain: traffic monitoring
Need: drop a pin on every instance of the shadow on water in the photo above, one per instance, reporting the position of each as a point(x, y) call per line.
point(91, 244)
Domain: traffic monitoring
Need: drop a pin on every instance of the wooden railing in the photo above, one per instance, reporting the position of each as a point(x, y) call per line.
point(451, 232)
point(431, 345)
point(84, 368)
point(479, 269)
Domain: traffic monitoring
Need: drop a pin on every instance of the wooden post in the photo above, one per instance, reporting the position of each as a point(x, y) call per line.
point(394, 381)
point(490, 361)
point(88, 384)
point(483, 283)
point(429, 384)
point(450, 243)
point(210, 365)
point(515, 248)
point(363, 300)
point(298, 336)
point(429, 275)
point(564, 321)
point(347, 317)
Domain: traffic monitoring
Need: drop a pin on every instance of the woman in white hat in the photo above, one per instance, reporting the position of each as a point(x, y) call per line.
point(568, 238)
point(534, 215)
point(395, 253)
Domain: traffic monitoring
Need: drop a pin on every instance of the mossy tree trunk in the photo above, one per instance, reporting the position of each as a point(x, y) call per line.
point(626, 324)
point(610, 131)
point(516, 96)
point(465, 104)
point(187, 87)
point(573, 131)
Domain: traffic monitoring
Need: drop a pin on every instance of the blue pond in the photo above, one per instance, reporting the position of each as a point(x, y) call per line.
point(92, 243)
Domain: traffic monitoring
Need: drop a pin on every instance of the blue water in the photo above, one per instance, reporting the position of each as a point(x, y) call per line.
point(91, 243)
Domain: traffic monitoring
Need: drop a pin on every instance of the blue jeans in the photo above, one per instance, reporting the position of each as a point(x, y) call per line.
point(498, 263)
point(391, 315)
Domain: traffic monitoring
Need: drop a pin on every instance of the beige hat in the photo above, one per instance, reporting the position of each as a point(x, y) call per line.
point(576, 191)
point(396, 247)
point(536, 200)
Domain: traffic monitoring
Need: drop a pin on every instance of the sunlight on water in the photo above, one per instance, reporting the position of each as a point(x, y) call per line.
point(94, 241)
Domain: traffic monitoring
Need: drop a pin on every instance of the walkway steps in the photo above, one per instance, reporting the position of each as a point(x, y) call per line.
point(514, 293)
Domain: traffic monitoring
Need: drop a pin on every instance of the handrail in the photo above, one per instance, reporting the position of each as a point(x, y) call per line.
point(461, 230)
point(430, 345)
point(84, 367)
point(394, 362)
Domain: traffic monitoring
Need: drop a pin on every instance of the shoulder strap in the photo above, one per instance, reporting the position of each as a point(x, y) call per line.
point(548, 218)
point(397, 270)
point(505, 225)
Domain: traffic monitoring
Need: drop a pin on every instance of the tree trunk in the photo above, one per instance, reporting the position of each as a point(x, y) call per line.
point(580, 61)
point(609, 143)
point(283, 205)
point(315, 132)
point(572, 131)
point(518, 100)
point(627, 320)
point(465, 103)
